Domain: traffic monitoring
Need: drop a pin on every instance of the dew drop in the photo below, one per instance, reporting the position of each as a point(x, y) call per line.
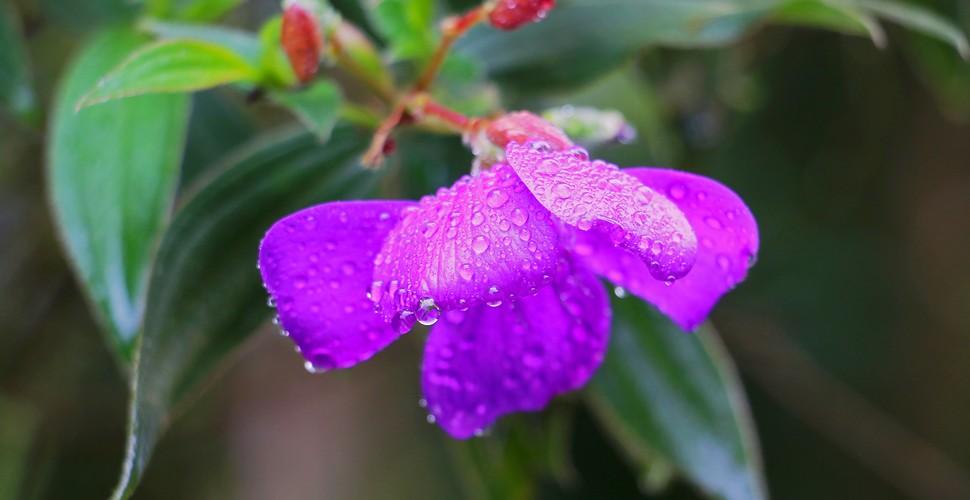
point(723, 262)
point(584, 224)
point(479, 244)
point(271, 302)
point(713, 222)
point(465, 271)
point(519, 217)
point(423, 403)
point(496, 198)
point(548, 166)
point(431, 419)
point(428, 313)
point(478, 218)
point(403, 322)
point(670, 280)
point(677, 191)
point(310, 368)
point(540, 146)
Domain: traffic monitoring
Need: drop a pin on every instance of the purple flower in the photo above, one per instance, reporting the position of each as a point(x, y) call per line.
point(505, 265)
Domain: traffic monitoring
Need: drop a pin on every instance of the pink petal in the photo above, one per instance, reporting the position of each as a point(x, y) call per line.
point(317, 266)
point(728, 236)
point(490, 361)
point(485, 239)
point(598, 196)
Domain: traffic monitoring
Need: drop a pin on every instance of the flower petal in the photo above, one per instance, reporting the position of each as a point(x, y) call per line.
point(595, 195)
point(489, 361)
point(317, 266)
point(485, 239)
point(728, 236)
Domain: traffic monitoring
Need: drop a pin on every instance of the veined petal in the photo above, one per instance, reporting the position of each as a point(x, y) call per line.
point(597, 196)
point(490, 361)
point(317, 266)
point(485, 239)
point(728, 236)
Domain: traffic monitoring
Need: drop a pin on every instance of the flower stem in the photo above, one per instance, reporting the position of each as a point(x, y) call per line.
point(452, 29)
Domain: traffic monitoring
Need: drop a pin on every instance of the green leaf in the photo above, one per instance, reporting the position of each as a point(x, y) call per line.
point(206, 297)
point(272, 59)
point(112, 172)
point(191, 10)
point(663, 392)
point(408, 27)
point(830, 15)
point(317, 106)
point(920, 20)
point(16, 92)
point(172, 66)
point(585, 38)
point(241, 42)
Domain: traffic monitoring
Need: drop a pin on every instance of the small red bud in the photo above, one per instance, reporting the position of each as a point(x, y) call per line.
point(510, 14)
point(301, 41)
point(522, 127)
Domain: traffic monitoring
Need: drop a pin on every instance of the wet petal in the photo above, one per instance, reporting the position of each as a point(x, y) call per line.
point(485, 239)
point(596, 196)
point(491, 361)
point(317, 266)
point(728, 236)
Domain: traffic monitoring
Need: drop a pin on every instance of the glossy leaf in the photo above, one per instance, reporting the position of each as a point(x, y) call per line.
point(112, 171)
point(206, 297)
point(16, 90)
point(171, 66)
point(664, 392)
point(830, 15)
point(920, 20)
point(582, 39)
point(317, 106)
point(243, 43)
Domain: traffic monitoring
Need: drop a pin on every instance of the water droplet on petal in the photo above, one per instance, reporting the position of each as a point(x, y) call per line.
point(620, 292)
point(428, 313)
point(496, 198)
point(723, 262)
point(423, 403)
point(519, 217)
point(477, 218)
point(479, 244)
point(713, 222)
point(431, 419)
point(466, 272)
point(271, 302)
point(403, 322)
point(548, 166)
point(677, 191)
point(584, 224)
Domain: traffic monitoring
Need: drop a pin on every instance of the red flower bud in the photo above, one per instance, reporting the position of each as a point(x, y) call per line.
point(521, 127)
point(301, 41)
point(510, 14)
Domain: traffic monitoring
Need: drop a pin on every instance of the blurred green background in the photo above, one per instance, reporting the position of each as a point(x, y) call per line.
point(852, 333)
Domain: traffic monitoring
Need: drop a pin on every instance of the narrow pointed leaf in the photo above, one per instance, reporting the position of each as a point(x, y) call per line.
point(918, 19)
point(664, 392)
point(206, 297)
point(172, 66)
point(112, 173)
